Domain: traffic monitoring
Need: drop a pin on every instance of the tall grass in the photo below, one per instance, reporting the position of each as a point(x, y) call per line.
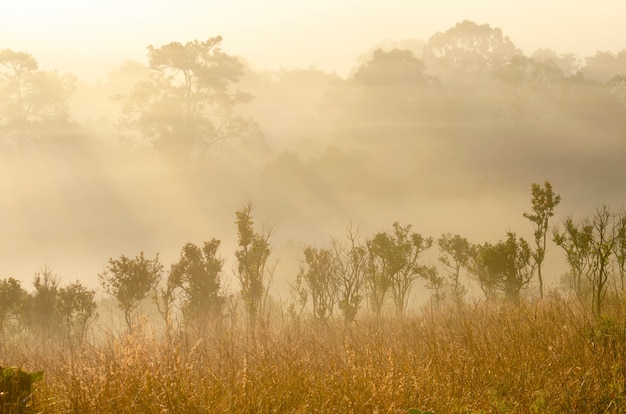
point(543, 357)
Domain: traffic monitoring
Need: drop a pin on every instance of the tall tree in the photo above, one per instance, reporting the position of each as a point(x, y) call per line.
point(544, 201)
point(317, 280)
point(575, 240)
point(594, 248)
point(395, 265)
point(198, 274)
point(129, 281)
point(468, 48)
point(503, 267)
point(34, 102)
point(188, 103)
point(455, 255)
point(351, 269)
point(619, 248)
point(12, 297)
point(252, 256)
point(43, 312)
point(77, 308)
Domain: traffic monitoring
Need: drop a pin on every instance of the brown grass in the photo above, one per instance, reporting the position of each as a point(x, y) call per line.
point(545, 357)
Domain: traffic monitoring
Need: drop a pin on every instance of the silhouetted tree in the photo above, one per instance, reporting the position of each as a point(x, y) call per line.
point(33, 101)
point(503, 267)
point(544, 201)
point(568, 63)
point(619, 248)
point(455, 255)
point(12, 297)
point(77, 308)
point(252, 255)
point(394, 265)
point(43, 312)
point(188, 103)
point(605, 65)
point(575, 240)
point(351, 269)
point(390, 91)
point(594, 249)
point(129, 281)
point(317, 280)
point(468, 48)
point(198, 274)
point(532, 91)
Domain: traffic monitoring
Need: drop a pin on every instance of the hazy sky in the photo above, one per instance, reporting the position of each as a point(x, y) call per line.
point(88, 37)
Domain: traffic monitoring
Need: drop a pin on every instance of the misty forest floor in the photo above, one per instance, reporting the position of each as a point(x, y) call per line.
point(546, 357)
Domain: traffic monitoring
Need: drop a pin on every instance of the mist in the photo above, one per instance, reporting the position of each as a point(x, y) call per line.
point(446, 133)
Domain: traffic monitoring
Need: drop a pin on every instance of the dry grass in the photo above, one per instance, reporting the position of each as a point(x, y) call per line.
point(543, 357)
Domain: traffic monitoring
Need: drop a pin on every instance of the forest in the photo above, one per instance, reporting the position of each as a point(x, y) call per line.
point(443, 228)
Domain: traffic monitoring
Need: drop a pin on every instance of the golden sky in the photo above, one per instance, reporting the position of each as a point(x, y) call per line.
point(88, 37)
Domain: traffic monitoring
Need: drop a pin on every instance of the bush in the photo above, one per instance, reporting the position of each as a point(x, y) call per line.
point(16, 388)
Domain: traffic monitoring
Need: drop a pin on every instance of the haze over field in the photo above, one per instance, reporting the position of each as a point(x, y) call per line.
point(436, 115)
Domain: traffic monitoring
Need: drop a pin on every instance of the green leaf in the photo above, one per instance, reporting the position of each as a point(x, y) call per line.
point(36, 376)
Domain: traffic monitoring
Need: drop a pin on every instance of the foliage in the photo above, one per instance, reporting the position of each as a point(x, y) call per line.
point(394, 265)
point(351, 269)
point(77, 308)
point(33, 101)
point(418, 411)
point(16, 389)
point(198, 274)
point(317, 278)
point(455, 254)
point(503, 267)
point(544, 201)
point(188, 103)
point(575, 240)
point(12, 298)
point(42, 303)
point(469, 47)
point(252, 255)
point(130, 280)
point(594, 249)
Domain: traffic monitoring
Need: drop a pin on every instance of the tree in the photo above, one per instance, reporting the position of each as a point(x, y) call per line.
point(351, 268)
point(602, 245)
point(252, 255)
point(531, 91)
point(391, 92)
point(503, 267)
point(594, 247)
point(12, 297)
point(605, 65)
point(619, 248)
point(394, 265)
point(129, 281)
point(188, 103)
point(575, 240)
point(396, 67)
point(317, 280)
point(77, 308)
point(568, 63)
point(43, 302)
point(33, 101)
point(468, 48)
point(543, 200)
point(455, 255)
point(198, 274)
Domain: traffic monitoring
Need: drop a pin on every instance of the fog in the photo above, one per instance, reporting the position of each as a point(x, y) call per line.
point(443, 130)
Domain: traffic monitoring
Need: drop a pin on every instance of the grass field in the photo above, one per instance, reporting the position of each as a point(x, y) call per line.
point(544, 357)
